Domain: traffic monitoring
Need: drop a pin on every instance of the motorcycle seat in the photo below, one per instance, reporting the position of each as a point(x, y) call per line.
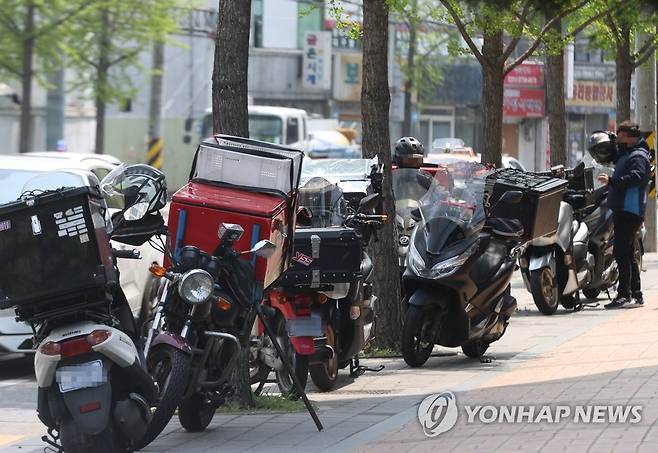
point(505, 227)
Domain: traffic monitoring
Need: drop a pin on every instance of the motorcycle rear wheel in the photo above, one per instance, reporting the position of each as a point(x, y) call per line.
point(544, 290)
point(298, 362)
point(414, 351)
point(75, 441)
point(475, 349)
point(592, 293)
point(325, 374)
point(196, 412)
point(170, 367)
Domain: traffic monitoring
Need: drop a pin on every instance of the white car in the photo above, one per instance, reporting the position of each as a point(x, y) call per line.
point(136, 281)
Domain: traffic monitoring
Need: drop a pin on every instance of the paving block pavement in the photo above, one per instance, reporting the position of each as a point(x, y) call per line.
point(593, 357)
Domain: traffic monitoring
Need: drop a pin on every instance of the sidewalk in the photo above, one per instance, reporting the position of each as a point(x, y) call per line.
point(595, 356)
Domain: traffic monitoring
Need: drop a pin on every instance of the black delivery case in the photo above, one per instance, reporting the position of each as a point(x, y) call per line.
point(538, 210)
point(323, 256)
point(55, 252)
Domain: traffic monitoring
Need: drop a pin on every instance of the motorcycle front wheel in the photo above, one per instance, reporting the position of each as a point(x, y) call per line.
point(325, 374)
point(544, 290)
point(298, 362)
point(475, 349)
point(415, 351)
point(196, 412)
point(170, 367)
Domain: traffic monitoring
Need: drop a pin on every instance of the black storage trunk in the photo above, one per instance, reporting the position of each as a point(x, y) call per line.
point(55, 251)
point(323, 256)
point(538, 210)
point(584, 182)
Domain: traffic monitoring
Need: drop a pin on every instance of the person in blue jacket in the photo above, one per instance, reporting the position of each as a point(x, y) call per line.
point(627, 198)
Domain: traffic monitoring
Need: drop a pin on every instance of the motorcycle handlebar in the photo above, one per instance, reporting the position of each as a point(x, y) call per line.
point(130, 254)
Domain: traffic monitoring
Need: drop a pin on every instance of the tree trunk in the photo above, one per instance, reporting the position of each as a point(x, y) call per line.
point(229, 79)
point(375, 101)
point(230, 116)
point(24, 143)
point(409, 82)
point(492, 99)
point(557, 114)
point(101, 80)
point(624, 70)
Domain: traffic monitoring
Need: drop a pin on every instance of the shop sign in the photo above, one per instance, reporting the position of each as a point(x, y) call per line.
point(523, 103)
point(526, 75)
point(593, 93)
point(347, 77)
point(316, 70)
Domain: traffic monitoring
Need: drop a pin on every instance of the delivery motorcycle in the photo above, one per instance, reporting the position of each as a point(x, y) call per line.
point(94, 391)
point(324, 302)
point(579, 256)
point(460, 263)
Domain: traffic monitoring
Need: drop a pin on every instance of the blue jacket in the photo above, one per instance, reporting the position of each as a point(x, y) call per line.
point(628, 184)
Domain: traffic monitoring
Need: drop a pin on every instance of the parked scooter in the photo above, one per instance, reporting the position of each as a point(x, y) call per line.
point(94, 392)
point(461, 260)
point(324, 303)
point(578, 257)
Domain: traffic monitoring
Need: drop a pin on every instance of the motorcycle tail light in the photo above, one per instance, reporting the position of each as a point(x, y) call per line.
point(223, 304)
point(98, 336)
point(302, 304)
point(51, 348)
point(75, 347)
point(322, 299)
point(90, 407)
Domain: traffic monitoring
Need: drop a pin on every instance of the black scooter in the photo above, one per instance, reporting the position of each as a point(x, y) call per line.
point(459, 268)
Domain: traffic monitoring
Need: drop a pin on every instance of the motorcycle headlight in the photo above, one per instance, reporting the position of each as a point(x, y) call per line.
point(447, 267)
point(414, 259)
point(196, 286)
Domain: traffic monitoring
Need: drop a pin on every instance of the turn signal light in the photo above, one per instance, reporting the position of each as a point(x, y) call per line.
point(157, 270)
point(223, 304)
point(98, 336)
point(51, 348)
point(322, 299)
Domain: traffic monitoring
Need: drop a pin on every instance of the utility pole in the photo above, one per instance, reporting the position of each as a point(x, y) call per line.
point(645, 114)
point(55, 110)
point(154, 151)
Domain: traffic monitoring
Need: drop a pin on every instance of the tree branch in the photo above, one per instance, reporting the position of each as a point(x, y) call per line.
point(9, 23)
point(588, 22)
point(540, 37)
point(125, 56)
point(515, 41)
point(462, 30)
point(10, 69)
point(47, 28)
point(613, 29)
point(642, 58)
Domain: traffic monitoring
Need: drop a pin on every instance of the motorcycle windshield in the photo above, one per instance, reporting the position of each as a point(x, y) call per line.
point(409, 186)
point(325, 201)
point(451, 214)
point(337, 170)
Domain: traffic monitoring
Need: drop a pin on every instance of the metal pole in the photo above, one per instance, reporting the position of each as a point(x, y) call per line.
point(154, 152)
point(645, 114)
point(55, 111)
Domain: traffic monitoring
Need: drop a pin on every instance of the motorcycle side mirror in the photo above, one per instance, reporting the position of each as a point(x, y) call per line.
point(304, 216)
point(264, 249)
point(136, 212)
point(423, 180)
point(369, 202)
point(511, 197)
point(415, 214)
point(579, 169)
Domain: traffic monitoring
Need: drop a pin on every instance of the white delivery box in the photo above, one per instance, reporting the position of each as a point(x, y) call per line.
point(248, 163)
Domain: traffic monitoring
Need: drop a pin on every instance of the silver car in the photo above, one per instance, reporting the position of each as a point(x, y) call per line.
point(136, 281)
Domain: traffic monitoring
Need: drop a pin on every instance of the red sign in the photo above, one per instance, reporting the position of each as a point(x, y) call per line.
point(523, 103)
point(526, 75)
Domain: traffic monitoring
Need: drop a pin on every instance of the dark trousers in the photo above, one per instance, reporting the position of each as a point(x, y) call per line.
point(626, 227)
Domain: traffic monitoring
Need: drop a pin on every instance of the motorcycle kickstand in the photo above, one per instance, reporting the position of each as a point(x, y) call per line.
point(357, 370)
point(286, 363)
point(52, 439)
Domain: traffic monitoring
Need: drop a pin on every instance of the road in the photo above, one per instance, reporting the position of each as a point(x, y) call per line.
point(365, 412)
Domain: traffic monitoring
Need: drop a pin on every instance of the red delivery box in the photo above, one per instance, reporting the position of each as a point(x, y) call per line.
point(260, 197)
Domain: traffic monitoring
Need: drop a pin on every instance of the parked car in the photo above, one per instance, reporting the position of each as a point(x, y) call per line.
point(137, 283)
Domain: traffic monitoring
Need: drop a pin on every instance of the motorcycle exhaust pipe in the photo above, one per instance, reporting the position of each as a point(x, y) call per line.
point(322, 353)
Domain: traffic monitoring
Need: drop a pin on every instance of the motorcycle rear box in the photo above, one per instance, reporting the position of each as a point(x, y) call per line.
point(324, 256)
point(538, 210)
point(55, 251)
point(197, 211)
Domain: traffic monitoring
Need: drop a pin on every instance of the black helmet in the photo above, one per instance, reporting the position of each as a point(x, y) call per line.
point(602, 146)
point(409, 152)
point(137, 183)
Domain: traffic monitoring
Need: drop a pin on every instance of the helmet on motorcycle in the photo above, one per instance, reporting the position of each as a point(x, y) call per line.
point(325, 202)
point(602, 146)
point(129, 185)
point(409, 152)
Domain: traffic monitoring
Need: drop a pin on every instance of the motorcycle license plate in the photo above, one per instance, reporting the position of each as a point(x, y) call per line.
point(305, 327)
point(85, 375)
